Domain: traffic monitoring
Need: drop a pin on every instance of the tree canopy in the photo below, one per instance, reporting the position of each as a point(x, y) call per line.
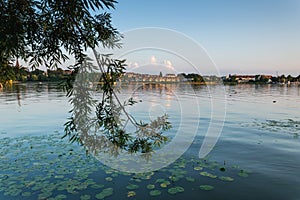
point(44, 33)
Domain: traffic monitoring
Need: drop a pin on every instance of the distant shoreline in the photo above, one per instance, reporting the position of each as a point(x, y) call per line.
point(169, 83)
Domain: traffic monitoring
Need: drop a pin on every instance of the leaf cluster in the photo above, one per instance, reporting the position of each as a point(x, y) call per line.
point(46, 32)
point(105, 129)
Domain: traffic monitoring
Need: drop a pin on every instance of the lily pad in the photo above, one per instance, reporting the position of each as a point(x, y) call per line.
point(206, 187)
point(105, 193)
point(174, 178)
point(198, 168)
point(108, 179)
point(155, 193)
point(150, 186)
point(208, 175)
point(226, 178)
point(132, 187)
point(175, 190)
point(243, 174)
point(165, 184)
point(131, 194)
point(160, 180)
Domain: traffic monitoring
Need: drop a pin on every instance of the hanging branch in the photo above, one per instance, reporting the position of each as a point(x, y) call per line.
point(109, 127)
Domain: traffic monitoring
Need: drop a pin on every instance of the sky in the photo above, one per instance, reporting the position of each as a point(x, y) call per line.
point(239, 36)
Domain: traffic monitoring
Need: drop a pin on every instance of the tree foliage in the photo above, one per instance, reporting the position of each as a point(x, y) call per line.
point(40, 31)
point(105, 130)
point(44, 33)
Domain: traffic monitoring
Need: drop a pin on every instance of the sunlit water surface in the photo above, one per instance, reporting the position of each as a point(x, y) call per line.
point(256, 157)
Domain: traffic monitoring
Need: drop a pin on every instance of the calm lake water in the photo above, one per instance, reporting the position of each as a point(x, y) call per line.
point(257, 155)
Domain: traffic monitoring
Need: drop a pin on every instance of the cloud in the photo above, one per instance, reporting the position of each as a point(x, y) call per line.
point(132, 65)
point(169, 65)
point(135, 65)
point(153, 60)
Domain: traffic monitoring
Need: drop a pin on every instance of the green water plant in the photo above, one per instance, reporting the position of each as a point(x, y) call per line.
point(132, 187)
point(226, 178)
point(150, 186)
point(206, 187)
point(155, 192)
point(105, 193)
point(131, 193)
point(85, 197)
point(207, 174)
point(32, 176)
point(175, 190)
point(243, 173)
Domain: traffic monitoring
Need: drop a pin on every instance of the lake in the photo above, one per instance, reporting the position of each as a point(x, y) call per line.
point(256, 156)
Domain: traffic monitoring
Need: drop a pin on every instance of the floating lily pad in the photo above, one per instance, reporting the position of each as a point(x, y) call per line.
point(155, 193)
point(105, 193)
point(131, 194)
point(244, 174)
point(160, 180)
point(175, 190)
point(136, 179)
point(226, 178)
point(109, 171)
point(150, 186)
point(198, 168)
point(132, 187)
point(174, 178)
point(108, 179)
point(206, 187)
point(165, 184)
point(40, 172)
point(208, 175)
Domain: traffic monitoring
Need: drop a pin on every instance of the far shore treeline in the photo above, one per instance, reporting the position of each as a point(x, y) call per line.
point(22, 74)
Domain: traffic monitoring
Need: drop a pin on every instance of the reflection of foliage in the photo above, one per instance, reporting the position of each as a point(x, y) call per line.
point(106, 131)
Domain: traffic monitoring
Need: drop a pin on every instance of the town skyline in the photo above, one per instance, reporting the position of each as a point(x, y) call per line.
point(129, 70)
point(24, 74)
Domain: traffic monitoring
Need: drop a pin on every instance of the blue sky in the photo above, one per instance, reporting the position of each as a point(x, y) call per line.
point(241, 36)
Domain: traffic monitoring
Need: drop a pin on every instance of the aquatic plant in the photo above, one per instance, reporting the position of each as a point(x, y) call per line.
point(155, 192)
point(206, 187)
point(47, 171)
point(175, 190)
